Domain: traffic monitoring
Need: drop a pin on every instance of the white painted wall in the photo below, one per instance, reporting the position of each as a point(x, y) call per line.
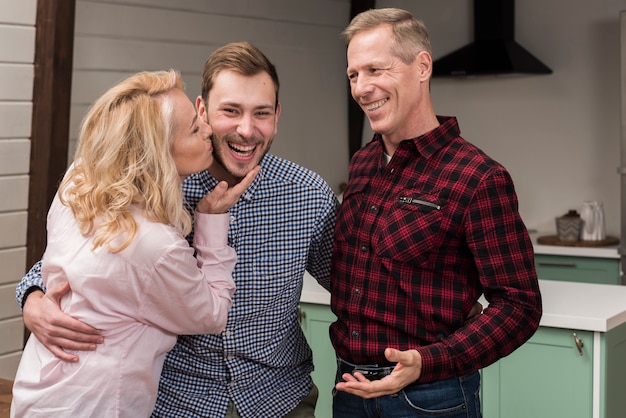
point(17, 54)
point(118, 37)
point(559, 135)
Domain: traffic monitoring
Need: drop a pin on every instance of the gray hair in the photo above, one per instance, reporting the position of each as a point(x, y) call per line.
point(410, 35)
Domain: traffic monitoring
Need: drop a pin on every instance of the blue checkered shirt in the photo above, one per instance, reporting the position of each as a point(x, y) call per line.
point(281, 226)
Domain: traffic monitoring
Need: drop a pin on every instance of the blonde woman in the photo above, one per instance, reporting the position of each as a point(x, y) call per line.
point(116, 238)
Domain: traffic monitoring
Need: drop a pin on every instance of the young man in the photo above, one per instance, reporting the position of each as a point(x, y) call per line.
point(260, 365)
point(428, 223)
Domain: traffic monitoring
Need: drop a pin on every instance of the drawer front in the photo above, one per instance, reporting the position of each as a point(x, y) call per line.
point(578, 269)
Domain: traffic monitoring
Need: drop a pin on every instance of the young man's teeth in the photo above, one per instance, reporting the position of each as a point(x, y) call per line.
point(376, 105)
point(242, 148)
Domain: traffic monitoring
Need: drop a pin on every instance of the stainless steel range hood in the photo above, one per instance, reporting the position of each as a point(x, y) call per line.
point(494, 50)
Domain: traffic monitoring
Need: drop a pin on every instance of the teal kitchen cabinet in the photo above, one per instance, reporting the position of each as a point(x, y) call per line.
point(545, 378)
point(559, 373)
point(315, 320)
point(575, 364)
point(578, 269)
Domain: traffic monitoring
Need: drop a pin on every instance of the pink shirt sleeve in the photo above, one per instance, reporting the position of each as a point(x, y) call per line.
point(192, 295)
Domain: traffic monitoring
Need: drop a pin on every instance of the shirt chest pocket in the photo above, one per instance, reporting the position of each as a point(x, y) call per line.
point(410, 229)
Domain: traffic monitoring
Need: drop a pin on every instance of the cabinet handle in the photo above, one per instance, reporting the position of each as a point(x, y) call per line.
point(557, 263)
point(301, 315)
point(579, 343)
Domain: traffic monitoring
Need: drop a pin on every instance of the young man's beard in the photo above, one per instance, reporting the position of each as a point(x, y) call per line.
point(218, 157)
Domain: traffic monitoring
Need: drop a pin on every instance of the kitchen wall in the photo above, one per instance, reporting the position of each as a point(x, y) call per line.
point(17, 53)
point(118, 37)
point(558, 134)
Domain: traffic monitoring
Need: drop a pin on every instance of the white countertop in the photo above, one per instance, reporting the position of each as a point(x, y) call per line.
point(312, 292)
point(580, 306)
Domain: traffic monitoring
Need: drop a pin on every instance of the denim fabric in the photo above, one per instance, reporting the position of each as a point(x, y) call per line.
point(451, 398)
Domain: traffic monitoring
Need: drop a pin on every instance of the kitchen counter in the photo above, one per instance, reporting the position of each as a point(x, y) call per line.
point(599, 252)
point(582, 306)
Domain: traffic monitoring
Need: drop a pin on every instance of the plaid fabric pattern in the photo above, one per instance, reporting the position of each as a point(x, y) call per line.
point(417, 242)
point(281, 226)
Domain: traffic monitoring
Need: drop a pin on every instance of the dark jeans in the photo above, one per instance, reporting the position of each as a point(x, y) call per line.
point(451, 398)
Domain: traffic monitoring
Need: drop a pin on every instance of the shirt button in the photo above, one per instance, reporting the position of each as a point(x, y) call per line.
point(357, 291)
point(374, 208)
point(227, 333)
point(364, 249)
point(229, 357)
point(355, 333)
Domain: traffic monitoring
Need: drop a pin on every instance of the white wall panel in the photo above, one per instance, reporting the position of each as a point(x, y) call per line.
point(322, 12)
point(18, 11)
point(8, 364)
point(16, 81)
point(170, 26)
point(12, 331)
point(14, 192)
point(15, 119)
point(13, 227)
point(14, 156)
point(17, 53)
point(300, 37)
point(126, 56)
point(17, 44)
point(8, 306)
point(13, 262)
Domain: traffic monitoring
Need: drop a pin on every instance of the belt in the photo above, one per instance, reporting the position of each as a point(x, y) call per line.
point(370, 371)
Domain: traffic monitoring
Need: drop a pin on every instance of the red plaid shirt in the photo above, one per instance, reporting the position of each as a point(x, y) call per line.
point(417, 241)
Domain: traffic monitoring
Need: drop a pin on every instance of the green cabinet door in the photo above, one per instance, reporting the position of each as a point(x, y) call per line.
point(315, 320)
point(578, 269)
point(545, 378)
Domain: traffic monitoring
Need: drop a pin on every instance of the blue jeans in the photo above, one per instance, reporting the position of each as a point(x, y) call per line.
point(452, 398)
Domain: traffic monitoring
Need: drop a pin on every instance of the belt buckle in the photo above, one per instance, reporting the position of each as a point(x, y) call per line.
point(370, 374)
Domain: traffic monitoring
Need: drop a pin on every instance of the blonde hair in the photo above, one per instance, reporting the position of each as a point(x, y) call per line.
point(410, 35)
point(124, 158)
